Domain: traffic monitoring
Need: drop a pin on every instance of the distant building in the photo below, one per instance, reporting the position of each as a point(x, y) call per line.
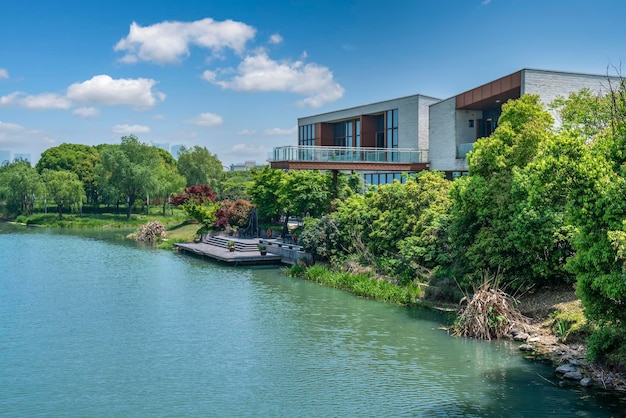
point(25, 157)
point(174, 150)
point(5, 157)
point(165, 145)
point(247, 166)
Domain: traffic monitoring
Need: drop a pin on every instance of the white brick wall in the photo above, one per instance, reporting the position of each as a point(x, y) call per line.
point(442, 152)
point(551, 84)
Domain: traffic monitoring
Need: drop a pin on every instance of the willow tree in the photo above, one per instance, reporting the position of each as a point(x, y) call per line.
point(199, 166)
point(130, 169)
point(65, 188)
point(20, 185)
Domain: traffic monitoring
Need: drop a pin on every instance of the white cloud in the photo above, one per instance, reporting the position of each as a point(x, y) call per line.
point(259, 73)
point(246, 151)
point(169, 42)
point(246, 132)
point(130, 129)
point(207, 120)
point(10, 99)
point(10, 127)
point(86, 112)
point(4, 73)
point(99, 90)
point(158, 117)
point(276, 39)
point(485, 2)
point(36, 102)
point(280, 131)
point(104, 90)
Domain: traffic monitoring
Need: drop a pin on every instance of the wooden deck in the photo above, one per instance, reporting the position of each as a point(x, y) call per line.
point(246, 251)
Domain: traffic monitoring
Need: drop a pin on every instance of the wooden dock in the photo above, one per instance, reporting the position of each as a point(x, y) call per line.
point(246, 251)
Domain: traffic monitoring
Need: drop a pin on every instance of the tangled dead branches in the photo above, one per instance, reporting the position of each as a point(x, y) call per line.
point(152, 231)
point(489, 313)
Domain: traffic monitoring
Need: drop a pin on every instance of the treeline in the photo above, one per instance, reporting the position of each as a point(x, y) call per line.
point(102, 177)
point(541, 205)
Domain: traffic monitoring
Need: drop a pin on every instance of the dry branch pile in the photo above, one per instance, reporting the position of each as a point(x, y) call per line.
point(152, 231)
point(489, 313)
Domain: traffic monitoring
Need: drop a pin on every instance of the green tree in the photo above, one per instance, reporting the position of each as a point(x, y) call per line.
point(486, 204)
point(199, 166)
point(203, 213)
point(130, 170)
point(264, 192)
point(77, 158)
point(397, 227)
point(20, 184)
point(597, 207)
point(305, 191)
point(236, 185)
point(65, 188)
point(169, 181)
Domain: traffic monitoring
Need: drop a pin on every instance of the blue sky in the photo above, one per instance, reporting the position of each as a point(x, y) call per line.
point(234, 76)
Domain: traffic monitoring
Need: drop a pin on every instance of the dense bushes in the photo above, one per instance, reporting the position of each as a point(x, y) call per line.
point(540, 205)
point(608, 345)
point(398, 228)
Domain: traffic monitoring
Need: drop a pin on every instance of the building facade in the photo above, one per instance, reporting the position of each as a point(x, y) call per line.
point(413, 133)
point(380, 140)
point(456, 123)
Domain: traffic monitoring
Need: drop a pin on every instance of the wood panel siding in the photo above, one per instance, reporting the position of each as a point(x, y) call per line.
point(490, 94)
point(368, 131)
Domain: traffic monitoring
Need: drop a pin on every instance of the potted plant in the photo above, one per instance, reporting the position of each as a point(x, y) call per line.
point(231, 246)
point(263, 249)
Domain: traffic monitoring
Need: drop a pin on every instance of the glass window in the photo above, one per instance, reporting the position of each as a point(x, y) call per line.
point(392, 128)
point(342, 132)
point(306, 135)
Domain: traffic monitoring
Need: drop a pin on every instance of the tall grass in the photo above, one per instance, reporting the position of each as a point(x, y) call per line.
point(105, 220)
point(361, 284)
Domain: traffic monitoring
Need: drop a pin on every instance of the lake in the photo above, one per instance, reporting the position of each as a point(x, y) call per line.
point(92, 324)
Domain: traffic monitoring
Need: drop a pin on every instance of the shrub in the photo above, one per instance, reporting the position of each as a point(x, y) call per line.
point(320, 238)
point(608, 345)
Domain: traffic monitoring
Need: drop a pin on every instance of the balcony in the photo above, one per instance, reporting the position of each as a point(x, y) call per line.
point(345, 158)
point(463, 149)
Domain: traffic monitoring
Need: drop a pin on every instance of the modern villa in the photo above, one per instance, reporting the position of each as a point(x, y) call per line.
point(414, 133)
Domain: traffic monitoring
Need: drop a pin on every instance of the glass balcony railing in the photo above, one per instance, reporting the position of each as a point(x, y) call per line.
point(351, 155)
point(463, 149)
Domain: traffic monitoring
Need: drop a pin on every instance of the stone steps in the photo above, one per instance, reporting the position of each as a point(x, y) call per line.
point(240, 245)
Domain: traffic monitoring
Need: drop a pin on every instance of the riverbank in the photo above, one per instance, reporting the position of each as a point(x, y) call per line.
point(558, 337)
point(556, 333)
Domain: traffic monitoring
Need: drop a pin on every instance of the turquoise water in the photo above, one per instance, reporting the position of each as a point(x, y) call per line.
point(94, 325)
